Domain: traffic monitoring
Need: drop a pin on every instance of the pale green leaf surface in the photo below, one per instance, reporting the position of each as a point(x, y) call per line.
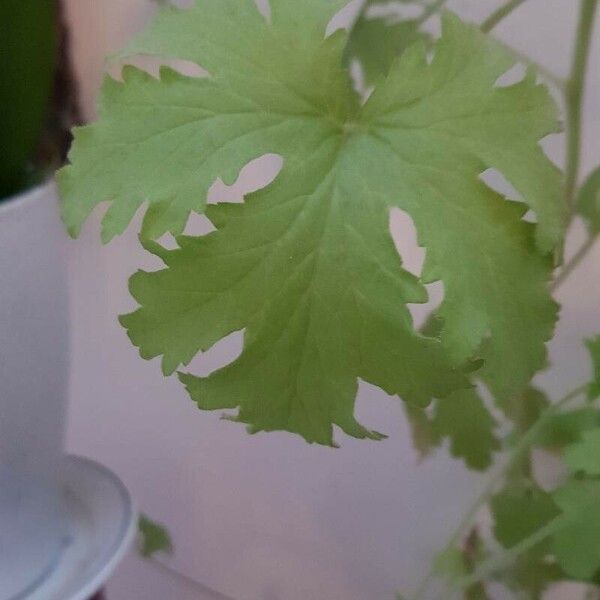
point(577, 545)
point(306, 266)
point(165, 142)
point(588, 201)
point(468, 130)
point(319, 310)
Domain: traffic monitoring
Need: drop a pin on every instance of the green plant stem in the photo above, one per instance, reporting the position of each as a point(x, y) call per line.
point(574, 97)
point(573, 263)
point(499, 14)
point(203, 590)
point(484, 496)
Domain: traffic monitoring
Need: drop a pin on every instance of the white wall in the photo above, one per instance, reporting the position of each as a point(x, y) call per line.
point(269, 517)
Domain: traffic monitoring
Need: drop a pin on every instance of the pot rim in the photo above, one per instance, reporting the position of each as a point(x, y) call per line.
point(25, 199)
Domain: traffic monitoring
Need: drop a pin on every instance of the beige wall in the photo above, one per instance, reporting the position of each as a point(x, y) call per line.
point(269, 517)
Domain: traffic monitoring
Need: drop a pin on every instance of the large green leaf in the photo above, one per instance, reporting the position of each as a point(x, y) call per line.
point(307, 266)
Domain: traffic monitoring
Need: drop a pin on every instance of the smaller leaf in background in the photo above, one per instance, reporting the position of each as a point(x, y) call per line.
point(450, 564)
point(474, 552)
point(577, 544)
point(531, 574)
point(464, 419)
point(588, 201)
point(376, 41)
point(519, 512)
point(593, 346)
point(585, 455)
point(424, 436)
point(453, 416)
point(454, 563)
point(567, 428)
point(152, 538)
point(527, 408)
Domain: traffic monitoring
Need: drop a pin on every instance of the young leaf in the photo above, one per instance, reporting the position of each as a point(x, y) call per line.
point(462, 417)
point(450, 564)
point(577, 544)
point(593, 346)
point(465, 420)
point(526, 408)
point(530, 575)
point(567, 428)
point(588, 201)
point(152, 538)
point(307, 266)
point(474, 552)
point(519, 512)
point(423, 435)
point(376, 41)
point(454, 563)
point(585, 455)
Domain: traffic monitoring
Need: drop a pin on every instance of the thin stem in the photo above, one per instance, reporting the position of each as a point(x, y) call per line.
point(573, 263)
point(485, 495)
point(189, 582)
point(574, 97)
point(499, 14)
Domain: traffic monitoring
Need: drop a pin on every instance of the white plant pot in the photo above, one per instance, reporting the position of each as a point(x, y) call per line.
point(33, 388)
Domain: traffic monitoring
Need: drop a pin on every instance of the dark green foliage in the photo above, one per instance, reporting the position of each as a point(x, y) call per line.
point(27, 61)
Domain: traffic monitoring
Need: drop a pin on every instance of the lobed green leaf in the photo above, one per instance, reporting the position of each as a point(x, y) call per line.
point(307, 267)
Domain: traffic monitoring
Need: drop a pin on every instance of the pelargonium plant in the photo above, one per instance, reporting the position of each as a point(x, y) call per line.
point(307, 268)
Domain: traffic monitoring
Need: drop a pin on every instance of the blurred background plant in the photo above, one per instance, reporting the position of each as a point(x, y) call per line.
point(37, 93)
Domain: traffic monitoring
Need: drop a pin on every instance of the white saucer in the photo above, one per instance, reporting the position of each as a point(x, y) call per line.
point(102, 525)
